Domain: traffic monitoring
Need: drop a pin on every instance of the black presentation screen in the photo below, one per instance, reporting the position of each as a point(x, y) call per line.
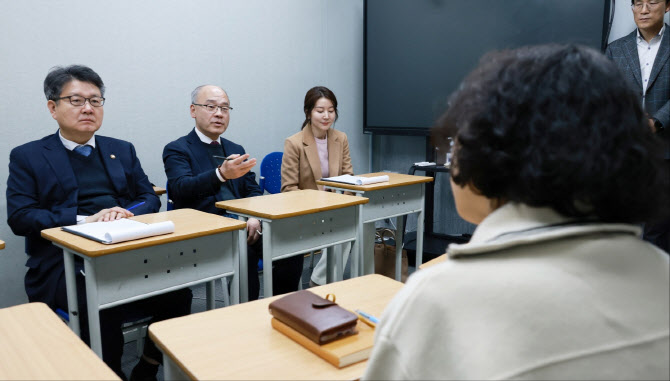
point(418, 51)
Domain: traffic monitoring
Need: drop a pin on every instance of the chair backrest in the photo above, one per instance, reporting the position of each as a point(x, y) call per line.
point(271, 172)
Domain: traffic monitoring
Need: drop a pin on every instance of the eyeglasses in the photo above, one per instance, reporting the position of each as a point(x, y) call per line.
point(212, 108)
point(652, 4)
point(78, 101)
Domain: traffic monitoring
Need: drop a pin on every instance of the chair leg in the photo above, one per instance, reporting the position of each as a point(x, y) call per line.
point(226, 293)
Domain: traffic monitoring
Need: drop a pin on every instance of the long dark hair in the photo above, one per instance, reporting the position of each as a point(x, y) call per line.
point(312, 96)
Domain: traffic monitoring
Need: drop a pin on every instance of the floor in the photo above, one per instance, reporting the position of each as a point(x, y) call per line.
point(130, 354)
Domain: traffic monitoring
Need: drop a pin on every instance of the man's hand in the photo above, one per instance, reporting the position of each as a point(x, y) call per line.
point(236, 167)
point(254, 230)
point(111, 214)
point(652, 125)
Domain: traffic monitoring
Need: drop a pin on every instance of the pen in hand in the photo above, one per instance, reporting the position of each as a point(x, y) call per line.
point(135, 206)
point(223, 157)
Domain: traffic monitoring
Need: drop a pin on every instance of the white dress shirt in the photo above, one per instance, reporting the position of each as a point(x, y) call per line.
point(646, 51)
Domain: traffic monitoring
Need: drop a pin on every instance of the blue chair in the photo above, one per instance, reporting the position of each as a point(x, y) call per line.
point(270, 178)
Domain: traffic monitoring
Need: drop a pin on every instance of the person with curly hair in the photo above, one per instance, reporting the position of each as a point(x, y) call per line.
point(554, 160)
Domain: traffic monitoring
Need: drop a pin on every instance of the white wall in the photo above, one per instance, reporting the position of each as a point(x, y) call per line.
point(151, 54)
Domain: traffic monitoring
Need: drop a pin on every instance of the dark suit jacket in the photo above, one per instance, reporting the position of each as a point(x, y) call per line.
point(192, 182)
point(657, 101)
point(42, 193)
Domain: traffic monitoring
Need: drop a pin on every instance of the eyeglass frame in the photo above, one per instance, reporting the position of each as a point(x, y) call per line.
point(650, 5)
point(223, 109)
point(69, 98)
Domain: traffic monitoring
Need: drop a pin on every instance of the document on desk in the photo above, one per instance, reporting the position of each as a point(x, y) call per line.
point(356, 180)
point(120, 230)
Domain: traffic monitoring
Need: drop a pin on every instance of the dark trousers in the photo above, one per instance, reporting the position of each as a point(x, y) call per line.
point(160, 307)
point(285, 272)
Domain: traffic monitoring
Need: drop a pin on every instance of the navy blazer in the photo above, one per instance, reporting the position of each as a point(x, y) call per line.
point(42, 193)
point(192, 182)
point(657, 100)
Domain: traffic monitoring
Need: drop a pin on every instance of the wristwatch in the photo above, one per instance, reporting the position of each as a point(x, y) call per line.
point(659, 126)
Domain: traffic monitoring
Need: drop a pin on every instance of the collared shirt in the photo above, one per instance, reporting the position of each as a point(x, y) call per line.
point(205, 139)
point(646, 51)
point(70, 145)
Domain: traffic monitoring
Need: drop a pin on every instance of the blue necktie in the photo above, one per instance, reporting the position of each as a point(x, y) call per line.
point(83, 150)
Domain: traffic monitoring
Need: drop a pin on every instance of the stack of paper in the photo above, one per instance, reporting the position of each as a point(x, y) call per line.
point(357, 180)
point(120, 230)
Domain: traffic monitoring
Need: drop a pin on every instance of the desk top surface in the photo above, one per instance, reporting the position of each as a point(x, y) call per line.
point(36, 345)
point(159, 191)
point(2, 245)
point(188, 223)
point(433, 262)
point(238, 342)
point(290, 204)
point(395, 180)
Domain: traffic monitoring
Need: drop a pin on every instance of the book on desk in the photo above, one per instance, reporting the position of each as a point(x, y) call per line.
point(122, 230)
point(340, 353)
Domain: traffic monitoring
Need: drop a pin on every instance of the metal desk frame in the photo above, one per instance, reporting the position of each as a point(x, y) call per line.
point(297, 235)
point(127, 276)
point(397, 201)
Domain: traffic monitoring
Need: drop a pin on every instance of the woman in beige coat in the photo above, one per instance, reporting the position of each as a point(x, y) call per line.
point(317, 151)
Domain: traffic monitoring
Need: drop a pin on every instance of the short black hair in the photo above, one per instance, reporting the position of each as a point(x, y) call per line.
point(556, 126)
point(633, 2)
point(59, 76)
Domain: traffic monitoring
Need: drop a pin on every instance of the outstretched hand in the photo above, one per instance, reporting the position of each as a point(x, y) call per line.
point(236, 166)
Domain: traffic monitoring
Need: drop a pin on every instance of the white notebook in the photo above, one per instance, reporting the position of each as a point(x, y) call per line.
point(357, 180)
point(120, 230)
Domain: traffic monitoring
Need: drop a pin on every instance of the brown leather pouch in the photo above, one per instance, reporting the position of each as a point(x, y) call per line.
point(318, 319)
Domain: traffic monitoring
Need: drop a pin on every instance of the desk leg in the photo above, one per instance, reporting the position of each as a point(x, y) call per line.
point(356, 247)
point(334, 264)
point(368, 266)
point(419, 228)
point(209, 292)
point(93, 307)
point(267, 259)
point(244, 265)
point(71, 287)
point(237, 252)
point(399, 236)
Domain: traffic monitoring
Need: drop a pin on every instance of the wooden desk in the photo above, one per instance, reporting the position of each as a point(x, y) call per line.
point(294, 223)
point(2, 245)
point(238, 342)
point(36, 345)
point(159, 191)
point(400, 196)
point(203, 248)
point(433, 262)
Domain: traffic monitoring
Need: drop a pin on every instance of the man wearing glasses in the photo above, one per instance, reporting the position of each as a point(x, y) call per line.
point(74, 177)
point(644, 58)
point(203, 168)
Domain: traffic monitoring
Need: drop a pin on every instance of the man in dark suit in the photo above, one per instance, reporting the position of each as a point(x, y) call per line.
point(644, 58)
point(73, 177)
point(198, 178)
